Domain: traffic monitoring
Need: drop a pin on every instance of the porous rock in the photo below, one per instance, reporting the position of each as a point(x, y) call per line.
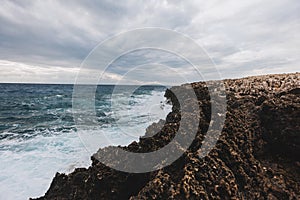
point(256, 156)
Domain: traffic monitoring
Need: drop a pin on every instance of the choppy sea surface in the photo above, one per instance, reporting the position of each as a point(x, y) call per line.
point(38, 135)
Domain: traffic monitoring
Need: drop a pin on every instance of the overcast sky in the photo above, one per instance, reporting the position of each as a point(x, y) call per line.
point(46, 41)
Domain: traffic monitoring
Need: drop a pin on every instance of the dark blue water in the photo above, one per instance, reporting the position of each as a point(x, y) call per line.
point(30, 109)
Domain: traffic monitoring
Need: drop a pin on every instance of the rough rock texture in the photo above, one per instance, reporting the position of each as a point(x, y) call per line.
point(256, 156)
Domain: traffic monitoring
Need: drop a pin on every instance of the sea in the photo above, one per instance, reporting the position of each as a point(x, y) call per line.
point(39, 136)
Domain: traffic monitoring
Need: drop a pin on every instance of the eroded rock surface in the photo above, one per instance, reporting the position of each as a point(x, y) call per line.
point(256, 156)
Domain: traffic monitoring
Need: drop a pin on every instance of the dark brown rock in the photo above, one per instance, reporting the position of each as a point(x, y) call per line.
point(256, 157)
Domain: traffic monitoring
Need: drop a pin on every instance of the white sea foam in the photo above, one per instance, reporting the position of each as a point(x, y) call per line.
point(28, 165)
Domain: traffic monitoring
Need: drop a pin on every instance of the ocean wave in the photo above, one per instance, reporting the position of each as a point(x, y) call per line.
point(38, 136)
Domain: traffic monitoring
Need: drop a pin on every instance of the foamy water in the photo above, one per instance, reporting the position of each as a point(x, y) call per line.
point(30, 159)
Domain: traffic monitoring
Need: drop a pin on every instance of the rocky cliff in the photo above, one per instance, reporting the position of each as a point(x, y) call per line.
point(256, 156)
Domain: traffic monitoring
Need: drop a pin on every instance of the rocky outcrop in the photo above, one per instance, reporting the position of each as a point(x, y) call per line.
point(256, 156)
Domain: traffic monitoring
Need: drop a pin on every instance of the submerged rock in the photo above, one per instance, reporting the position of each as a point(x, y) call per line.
point(256, 156)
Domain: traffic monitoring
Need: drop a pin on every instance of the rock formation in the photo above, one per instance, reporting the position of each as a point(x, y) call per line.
point(256, 156)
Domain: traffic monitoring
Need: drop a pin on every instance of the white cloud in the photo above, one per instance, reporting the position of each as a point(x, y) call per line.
point(12, 72)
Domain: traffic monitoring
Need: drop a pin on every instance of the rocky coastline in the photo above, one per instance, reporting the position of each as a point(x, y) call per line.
point(257, 156)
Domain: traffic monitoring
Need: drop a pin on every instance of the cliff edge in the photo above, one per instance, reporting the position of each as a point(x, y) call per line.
point(256, 156)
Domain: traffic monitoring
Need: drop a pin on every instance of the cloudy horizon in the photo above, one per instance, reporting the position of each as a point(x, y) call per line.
point(46, 41)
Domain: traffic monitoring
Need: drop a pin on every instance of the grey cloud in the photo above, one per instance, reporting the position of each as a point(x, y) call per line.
point(241, 37)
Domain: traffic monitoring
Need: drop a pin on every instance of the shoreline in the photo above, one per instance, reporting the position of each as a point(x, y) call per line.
point(257, 155)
